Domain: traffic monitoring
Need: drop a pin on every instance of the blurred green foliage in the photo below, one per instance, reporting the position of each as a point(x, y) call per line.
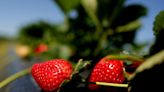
point(92, 29)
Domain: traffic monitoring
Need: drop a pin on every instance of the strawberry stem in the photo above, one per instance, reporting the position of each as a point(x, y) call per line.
point(111, 84)
point(125, 57)
point(14, 77)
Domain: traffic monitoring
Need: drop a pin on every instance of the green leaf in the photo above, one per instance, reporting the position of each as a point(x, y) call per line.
point(91, 11)
point(91, 4)
point(108, 10)
point(158, 32)
point(159, 23)
point(67, 6)
point(130, 13)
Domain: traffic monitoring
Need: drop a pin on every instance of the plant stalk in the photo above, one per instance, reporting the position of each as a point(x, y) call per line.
point(14, 77)
point(112, 84)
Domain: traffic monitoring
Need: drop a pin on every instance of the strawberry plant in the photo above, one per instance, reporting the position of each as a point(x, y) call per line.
point(86, 51)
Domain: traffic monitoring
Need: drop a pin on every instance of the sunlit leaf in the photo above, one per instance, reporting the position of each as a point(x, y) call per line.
point(158, 32)
point(159, 23)
point(91, 5)
point(129, 26)
point(91, 9)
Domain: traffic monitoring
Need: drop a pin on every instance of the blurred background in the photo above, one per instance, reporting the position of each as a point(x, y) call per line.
point(33, 30)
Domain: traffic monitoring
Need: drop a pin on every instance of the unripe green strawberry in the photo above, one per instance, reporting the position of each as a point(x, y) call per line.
point(51, 74)
point(110, 71)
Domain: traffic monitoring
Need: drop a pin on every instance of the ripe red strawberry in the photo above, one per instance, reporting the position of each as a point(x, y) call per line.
point(105, 70)
point(41, 48)
point(50, 74)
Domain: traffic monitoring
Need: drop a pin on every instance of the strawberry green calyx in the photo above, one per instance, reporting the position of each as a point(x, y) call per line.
point(77, 78)
point(80, 66)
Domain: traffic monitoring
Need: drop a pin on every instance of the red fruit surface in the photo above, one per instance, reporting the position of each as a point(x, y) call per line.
point(50, 74)
point(41, 48)
point(105, 70)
